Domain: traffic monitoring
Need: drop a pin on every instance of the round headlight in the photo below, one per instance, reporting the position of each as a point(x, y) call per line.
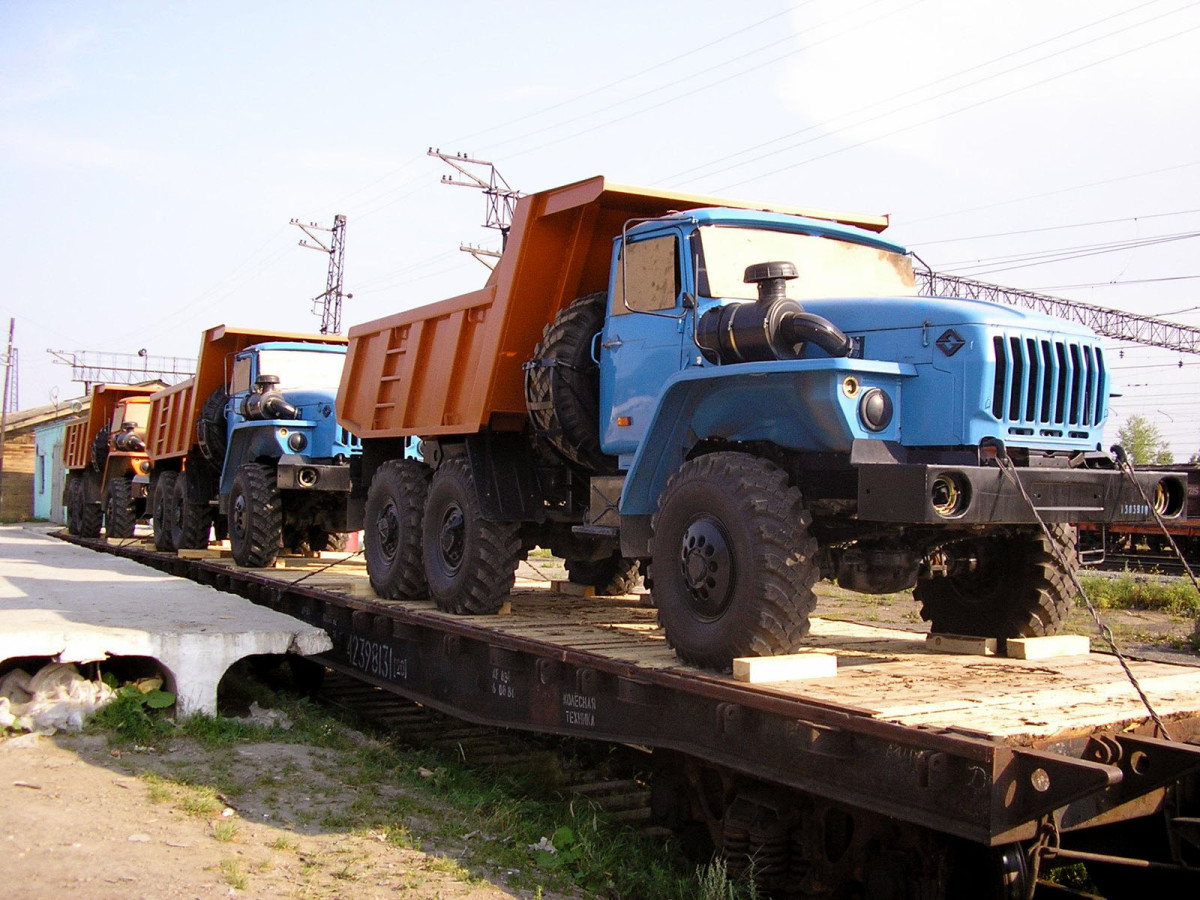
point(875, 409)
point(296, 441)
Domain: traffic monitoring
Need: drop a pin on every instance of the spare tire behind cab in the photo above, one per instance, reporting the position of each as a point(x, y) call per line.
point(562, 385)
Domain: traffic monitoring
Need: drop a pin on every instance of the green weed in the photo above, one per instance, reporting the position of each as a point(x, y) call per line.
point(1130, 591)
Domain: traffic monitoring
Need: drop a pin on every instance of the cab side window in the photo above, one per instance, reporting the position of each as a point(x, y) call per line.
point(240, 381)
point(651, 277)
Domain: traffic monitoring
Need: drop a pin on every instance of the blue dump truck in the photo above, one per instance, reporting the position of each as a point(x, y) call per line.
point(250, 445)
point(737, 401)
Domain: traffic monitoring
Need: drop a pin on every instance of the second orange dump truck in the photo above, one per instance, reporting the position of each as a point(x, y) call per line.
point(249, 445)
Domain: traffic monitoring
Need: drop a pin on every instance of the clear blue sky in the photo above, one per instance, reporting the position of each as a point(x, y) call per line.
point(152, 154)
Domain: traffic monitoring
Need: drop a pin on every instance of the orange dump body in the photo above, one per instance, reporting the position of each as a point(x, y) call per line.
point(171, 432)
point(110, 403)
point(454, 367)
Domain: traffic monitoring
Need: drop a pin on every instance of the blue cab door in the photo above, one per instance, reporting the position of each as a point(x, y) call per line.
point(644, 341)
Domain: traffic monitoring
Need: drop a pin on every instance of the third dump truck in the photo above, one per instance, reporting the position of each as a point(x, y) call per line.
point(738, 400)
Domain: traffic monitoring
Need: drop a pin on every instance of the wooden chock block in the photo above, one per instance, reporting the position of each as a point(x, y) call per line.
point(216, 553)
point(505, 608)
point(791, 667)
point(961, 643)
point(573, 589)
point(1049, 647)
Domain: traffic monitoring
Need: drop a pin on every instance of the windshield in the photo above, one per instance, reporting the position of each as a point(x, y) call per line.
point(827, 267)
point(302, 368)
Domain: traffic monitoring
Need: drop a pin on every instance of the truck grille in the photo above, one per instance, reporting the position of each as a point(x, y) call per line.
point(1048, 385)
point(348, 439)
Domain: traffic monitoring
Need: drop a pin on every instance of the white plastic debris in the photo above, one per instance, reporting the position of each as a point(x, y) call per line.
point(57, 698)
point(545, 845)
point(269, 718)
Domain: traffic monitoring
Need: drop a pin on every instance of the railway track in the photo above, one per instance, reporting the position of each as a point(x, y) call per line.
point(604, 776)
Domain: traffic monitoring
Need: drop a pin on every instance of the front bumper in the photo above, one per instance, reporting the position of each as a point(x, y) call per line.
point(917, 494)
point(295, 474)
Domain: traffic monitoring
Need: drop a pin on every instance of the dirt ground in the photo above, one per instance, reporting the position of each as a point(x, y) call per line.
point(78, 821)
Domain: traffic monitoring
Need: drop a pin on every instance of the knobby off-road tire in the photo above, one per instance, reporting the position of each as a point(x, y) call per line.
point(74, 499)
point(212, 430)
point(732, 561)
point(607, 577)
point(190, 522)
point(320, 540)
point(564, 398)
point(1018, 589)
point(160, 511)
point(470, 561)
point(91, 511)
point(120, 515)
point(392, 534)
point(255, 516)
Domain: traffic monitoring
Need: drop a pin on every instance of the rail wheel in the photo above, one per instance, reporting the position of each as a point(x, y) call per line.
point(563, 391)
point(609, 577)
point(732, 560)
point(190, 522)
point(1017, 588)
point(470, 561)
point(160, 511)
point(120, 515)
point(392, 536)
point(255, 516)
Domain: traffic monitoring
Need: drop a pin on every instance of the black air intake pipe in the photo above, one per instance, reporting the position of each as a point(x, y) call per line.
point(127, 440)
point(267, 403)
point(773, 327)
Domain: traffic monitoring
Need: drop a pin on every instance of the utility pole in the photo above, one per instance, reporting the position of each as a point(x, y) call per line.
point(331, 300)
point(501, 198)
point(8, 367)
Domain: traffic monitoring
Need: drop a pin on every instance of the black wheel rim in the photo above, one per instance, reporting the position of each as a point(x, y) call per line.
point(706, 563)
point(452, 538)
point(387, 527)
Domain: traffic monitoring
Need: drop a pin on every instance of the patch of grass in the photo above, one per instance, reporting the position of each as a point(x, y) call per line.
point(225, 831)
point(127, 718)
point(231, 871)
point(713, 883)
point(282, 843)
point(1129, 591)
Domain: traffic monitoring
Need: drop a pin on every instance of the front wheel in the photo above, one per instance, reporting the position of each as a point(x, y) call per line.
point(470, 561)
point(1017, 588)
point(120, 516)
point(255, 516)
point(732, 560)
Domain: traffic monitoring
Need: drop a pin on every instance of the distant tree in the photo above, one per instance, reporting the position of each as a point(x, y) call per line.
point(1144, 443)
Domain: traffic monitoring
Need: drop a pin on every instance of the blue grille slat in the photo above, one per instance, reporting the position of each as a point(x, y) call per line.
point(1051, 385)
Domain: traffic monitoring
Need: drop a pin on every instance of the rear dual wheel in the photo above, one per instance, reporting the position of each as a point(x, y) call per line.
point(160, 511)
point(392, 538)
point(470, 562)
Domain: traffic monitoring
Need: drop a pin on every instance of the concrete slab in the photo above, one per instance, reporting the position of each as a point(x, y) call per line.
point(77, 605)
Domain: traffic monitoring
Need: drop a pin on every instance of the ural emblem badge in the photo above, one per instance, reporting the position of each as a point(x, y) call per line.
point(950, 342)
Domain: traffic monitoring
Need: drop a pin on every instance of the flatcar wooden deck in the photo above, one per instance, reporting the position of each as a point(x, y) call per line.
point(885, 673)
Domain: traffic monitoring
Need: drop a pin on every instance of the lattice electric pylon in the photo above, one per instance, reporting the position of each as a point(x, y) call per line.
point(330, 301)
